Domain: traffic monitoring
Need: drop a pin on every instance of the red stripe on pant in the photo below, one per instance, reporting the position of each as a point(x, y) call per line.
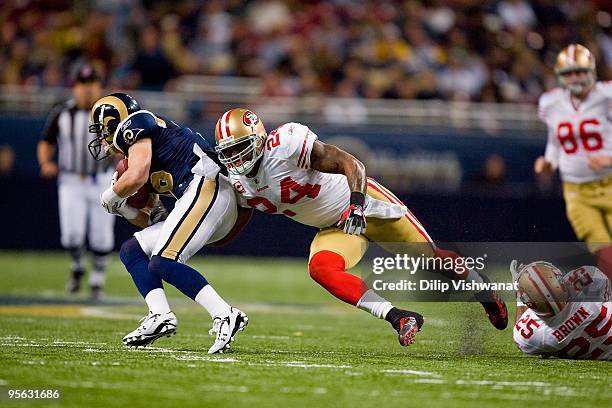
point(415, 223)
point(327, 269)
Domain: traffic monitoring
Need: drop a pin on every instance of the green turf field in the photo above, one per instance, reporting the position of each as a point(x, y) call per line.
point(301, 348)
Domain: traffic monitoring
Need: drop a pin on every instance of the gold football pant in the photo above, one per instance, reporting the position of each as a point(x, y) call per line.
point(382, 231)
point(589, 210)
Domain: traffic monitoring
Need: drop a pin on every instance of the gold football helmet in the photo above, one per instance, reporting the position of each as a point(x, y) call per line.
point(542, 288)
point(240, 138)
point(575, 58)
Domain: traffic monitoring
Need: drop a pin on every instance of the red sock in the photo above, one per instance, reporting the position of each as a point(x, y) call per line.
point(327, 269)
point(604, 261)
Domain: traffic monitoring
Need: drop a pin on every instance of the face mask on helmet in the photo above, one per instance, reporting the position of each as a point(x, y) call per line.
point(106, 115)
point(102, 146)
point(241, 156)
point(576, 81)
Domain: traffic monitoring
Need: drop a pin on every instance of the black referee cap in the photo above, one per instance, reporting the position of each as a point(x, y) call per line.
point(86, 73)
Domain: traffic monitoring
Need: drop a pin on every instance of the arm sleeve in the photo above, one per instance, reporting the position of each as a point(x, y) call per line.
point(297, 141)
point(136, 127)
point(51, 129)
point(552, 151)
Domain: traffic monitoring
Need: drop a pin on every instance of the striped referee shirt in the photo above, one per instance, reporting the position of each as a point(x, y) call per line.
point(67, 127)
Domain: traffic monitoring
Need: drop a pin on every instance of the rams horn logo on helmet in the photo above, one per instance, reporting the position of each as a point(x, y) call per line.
point(250, 119)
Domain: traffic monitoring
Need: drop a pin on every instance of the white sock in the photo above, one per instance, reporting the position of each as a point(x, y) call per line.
point(212, 302)
point(96, 278)
point(157, 301)
point(375, 304)
point(474, 277)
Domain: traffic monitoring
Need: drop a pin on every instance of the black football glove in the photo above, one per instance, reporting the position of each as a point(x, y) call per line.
point(159, 213)
point(353, 220)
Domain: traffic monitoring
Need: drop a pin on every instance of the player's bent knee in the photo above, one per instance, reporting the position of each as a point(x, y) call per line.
point(131, 252)
point(324, 263)
point(161, 266)
point(156, 266)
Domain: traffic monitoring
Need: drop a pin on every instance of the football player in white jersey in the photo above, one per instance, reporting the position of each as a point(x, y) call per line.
point(290, 172)
point(567, 316)
point(578, 115)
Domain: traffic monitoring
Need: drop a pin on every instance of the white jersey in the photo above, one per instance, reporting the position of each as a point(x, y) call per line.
point(583, 329)
point(285, 183)
point(576, 132)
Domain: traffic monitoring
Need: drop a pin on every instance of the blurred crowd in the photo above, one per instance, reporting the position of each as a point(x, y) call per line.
point(479, 50)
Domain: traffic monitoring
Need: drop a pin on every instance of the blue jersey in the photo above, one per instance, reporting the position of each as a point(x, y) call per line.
point(173, 156)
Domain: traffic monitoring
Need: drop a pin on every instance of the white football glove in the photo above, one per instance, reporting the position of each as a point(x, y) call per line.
point(515, 268)
point(114, 179)
point(114, 204)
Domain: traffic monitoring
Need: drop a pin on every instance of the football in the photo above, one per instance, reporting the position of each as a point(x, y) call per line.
point(141, 197)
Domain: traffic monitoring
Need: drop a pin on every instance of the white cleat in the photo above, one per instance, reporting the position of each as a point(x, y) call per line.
point(225, 327)
point(152, 327)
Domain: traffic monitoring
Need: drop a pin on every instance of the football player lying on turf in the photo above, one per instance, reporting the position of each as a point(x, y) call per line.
point(567, 316)
point(180, 163)
point(290, 172)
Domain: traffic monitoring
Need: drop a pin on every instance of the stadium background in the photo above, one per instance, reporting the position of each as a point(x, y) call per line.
point(437, 98)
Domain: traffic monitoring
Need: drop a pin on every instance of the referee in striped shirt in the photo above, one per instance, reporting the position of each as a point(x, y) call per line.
point(81, 180)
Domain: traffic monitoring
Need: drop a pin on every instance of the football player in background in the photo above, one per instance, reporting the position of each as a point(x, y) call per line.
point(567, 316)
point(290, 172)
point(578, 116)
point(180, 163)
point(80, 180)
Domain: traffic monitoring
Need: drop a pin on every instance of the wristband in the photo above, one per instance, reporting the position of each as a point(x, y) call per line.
point(129, 213)
point(110, 197)
point(357, 198)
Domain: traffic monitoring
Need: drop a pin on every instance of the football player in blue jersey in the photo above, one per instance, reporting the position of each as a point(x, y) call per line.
point(180, 163)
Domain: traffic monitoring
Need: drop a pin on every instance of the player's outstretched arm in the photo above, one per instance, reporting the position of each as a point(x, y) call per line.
point(330, 159)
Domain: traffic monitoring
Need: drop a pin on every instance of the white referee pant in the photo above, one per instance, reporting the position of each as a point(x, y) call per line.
point(82, 215)
point(205, 213)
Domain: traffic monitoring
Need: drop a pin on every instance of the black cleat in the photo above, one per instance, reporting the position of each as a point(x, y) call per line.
point(74, 283)
point(406, 323)
point(97, 293)
point(494, 306)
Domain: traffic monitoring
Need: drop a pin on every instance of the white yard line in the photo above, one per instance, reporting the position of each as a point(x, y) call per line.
point(411, 372)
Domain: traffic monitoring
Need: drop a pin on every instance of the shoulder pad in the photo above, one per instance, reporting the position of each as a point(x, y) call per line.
point(547, 99)
point(605, 87)
point(136, 126)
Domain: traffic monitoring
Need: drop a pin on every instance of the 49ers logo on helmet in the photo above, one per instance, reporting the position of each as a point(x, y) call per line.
point(250, 119)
